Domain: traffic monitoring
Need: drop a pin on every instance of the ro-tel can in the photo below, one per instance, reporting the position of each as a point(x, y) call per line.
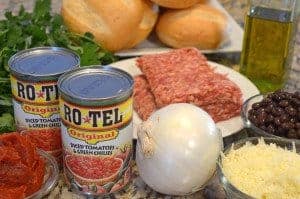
point(96, 111)
point(34, 75)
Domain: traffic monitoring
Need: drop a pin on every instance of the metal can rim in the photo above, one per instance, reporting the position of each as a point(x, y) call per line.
point(85, 101)
point(41, 77)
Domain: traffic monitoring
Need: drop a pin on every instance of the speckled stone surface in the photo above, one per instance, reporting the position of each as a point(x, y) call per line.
point(138, 189)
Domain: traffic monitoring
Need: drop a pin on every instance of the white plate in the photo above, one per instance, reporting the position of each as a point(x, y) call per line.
point(152, 45)
point(227, 127)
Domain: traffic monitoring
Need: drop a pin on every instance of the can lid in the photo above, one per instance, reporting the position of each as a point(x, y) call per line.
point(96, 85)
point(43, 63)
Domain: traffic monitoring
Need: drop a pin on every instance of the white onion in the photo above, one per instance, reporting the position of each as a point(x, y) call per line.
point(177, 149)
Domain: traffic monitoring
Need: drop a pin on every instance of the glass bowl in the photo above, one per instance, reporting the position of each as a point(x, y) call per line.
point(233, 192)
point(50, 178)
point(251, 128)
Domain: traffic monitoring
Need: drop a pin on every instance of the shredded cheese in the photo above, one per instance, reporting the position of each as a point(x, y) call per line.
point(264, 171)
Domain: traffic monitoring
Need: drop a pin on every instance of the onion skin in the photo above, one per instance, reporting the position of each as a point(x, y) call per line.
point(185, 144)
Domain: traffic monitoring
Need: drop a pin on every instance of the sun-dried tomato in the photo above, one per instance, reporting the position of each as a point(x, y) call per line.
point(22, 169)
point(37, 178)
point(14, 174)
point(12, 192)
point(21, 145)
point(46, 139)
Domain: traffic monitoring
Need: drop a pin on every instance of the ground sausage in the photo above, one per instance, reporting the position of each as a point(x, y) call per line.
point(184, 76)
point(144, 102)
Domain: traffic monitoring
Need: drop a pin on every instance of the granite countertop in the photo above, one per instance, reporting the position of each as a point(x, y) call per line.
point(137, 188)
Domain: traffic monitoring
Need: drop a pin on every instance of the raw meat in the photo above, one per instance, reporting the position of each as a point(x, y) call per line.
point(170, 75)
point(144, 102)
point(184, 75)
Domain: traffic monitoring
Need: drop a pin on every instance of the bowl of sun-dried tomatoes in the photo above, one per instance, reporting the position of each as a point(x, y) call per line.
point(50, 178)
point(26, 172)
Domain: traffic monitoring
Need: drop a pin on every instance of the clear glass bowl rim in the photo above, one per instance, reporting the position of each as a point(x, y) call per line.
point(52, 180)
point(250, 125)
point(226, 184)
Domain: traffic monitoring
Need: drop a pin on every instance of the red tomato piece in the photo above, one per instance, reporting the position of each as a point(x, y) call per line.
point(12, 192)
point(22, 168)
point(48, 139)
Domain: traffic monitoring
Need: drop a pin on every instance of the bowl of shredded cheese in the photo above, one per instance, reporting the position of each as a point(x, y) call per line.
point(263, 168)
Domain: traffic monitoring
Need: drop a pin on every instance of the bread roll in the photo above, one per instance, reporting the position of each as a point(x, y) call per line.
point(201, 26)
point(177, 4)
point(116, 24)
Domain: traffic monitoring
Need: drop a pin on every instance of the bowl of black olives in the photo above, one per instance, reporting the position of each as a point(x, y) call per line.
point(275, 114)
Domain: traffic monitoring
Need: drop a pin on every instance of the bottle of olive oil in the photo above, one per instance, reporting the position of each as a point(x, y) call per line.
point(268, 46)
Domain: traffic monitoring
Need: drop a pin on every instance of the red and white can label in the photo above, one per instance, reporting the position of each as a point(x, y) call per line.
point(97, 145)
point(36, 111)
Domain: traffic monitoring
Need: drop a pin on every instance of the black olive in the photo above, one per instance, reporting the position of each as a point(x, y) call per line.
point(270, 107)
point(271, 129)
point(256, 105)
point(270, 118)
point(273, 111)
point(284, 118)
point(284, 96)
point(298, 133)
point(278, 111)
point(292, 120)
point(253, 119)
point(295, 102)
point(276, 98)
point(287, 125)
point(289, 97)
point(261, 109)
point(278, 92)
point(280, 132)
point(251, 112)
point(266, 101)
point(297, 95)
point(262, 117)
point(292, 134)
point(277, 121)
point(298, 125)
point(284, 103)
point(291, 111)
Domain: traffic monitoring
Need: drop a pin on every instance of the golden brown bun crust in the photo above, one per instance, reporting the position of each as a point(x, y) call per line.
point(177, 4)
point(116, 24)
point(201, 26)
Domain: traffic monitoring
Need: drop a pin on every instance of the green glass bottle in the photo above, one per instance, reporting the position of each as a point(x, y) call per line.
point(268, 43)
